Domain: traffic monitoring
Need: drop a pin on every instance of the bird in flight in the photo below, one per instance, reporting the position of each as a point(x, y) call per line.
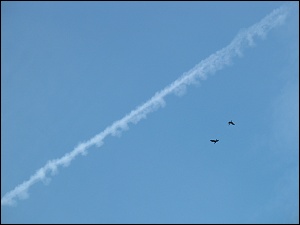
point(215, 141)
point(231, 123)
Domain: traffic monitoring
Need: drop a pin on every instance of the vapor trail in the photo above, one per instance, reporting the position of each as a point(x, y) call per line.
point(209, 65)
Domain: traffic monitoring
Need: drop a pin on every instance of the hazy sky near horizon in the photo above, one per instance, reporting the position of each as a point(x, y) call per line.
point(70, 69)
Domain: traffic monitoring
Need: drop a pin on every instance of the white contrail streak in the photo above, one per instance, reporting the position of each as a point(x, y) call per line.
point(211, 64)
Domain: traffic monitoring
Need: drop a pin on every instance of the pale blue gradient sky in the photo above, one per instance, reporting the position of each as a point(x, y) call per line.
point(68, 70)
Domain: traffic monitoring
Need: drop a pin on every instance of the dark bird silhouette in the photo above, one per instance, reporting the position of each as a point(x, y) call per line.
point(231, 123)
point(215, 141)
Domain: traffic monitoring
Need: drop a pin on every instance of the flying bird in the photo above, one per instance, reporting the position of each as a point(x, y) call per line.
point(230, 122)
point(215, 141)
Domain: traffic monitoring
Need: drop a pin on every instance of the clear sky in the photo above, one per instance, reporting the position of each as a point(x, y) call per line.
point(70, 69)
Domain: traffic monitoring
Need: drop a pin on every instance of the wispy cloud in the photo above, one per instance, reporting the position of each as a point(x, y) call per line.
point(207, 66)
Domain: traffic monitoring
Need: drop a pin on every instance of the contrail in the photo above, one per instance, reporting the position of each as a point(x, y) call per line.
point(209, 65)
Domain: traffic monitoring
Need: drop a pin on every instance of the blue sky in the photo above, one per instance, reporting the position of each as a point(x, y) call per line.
point(69, 70)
